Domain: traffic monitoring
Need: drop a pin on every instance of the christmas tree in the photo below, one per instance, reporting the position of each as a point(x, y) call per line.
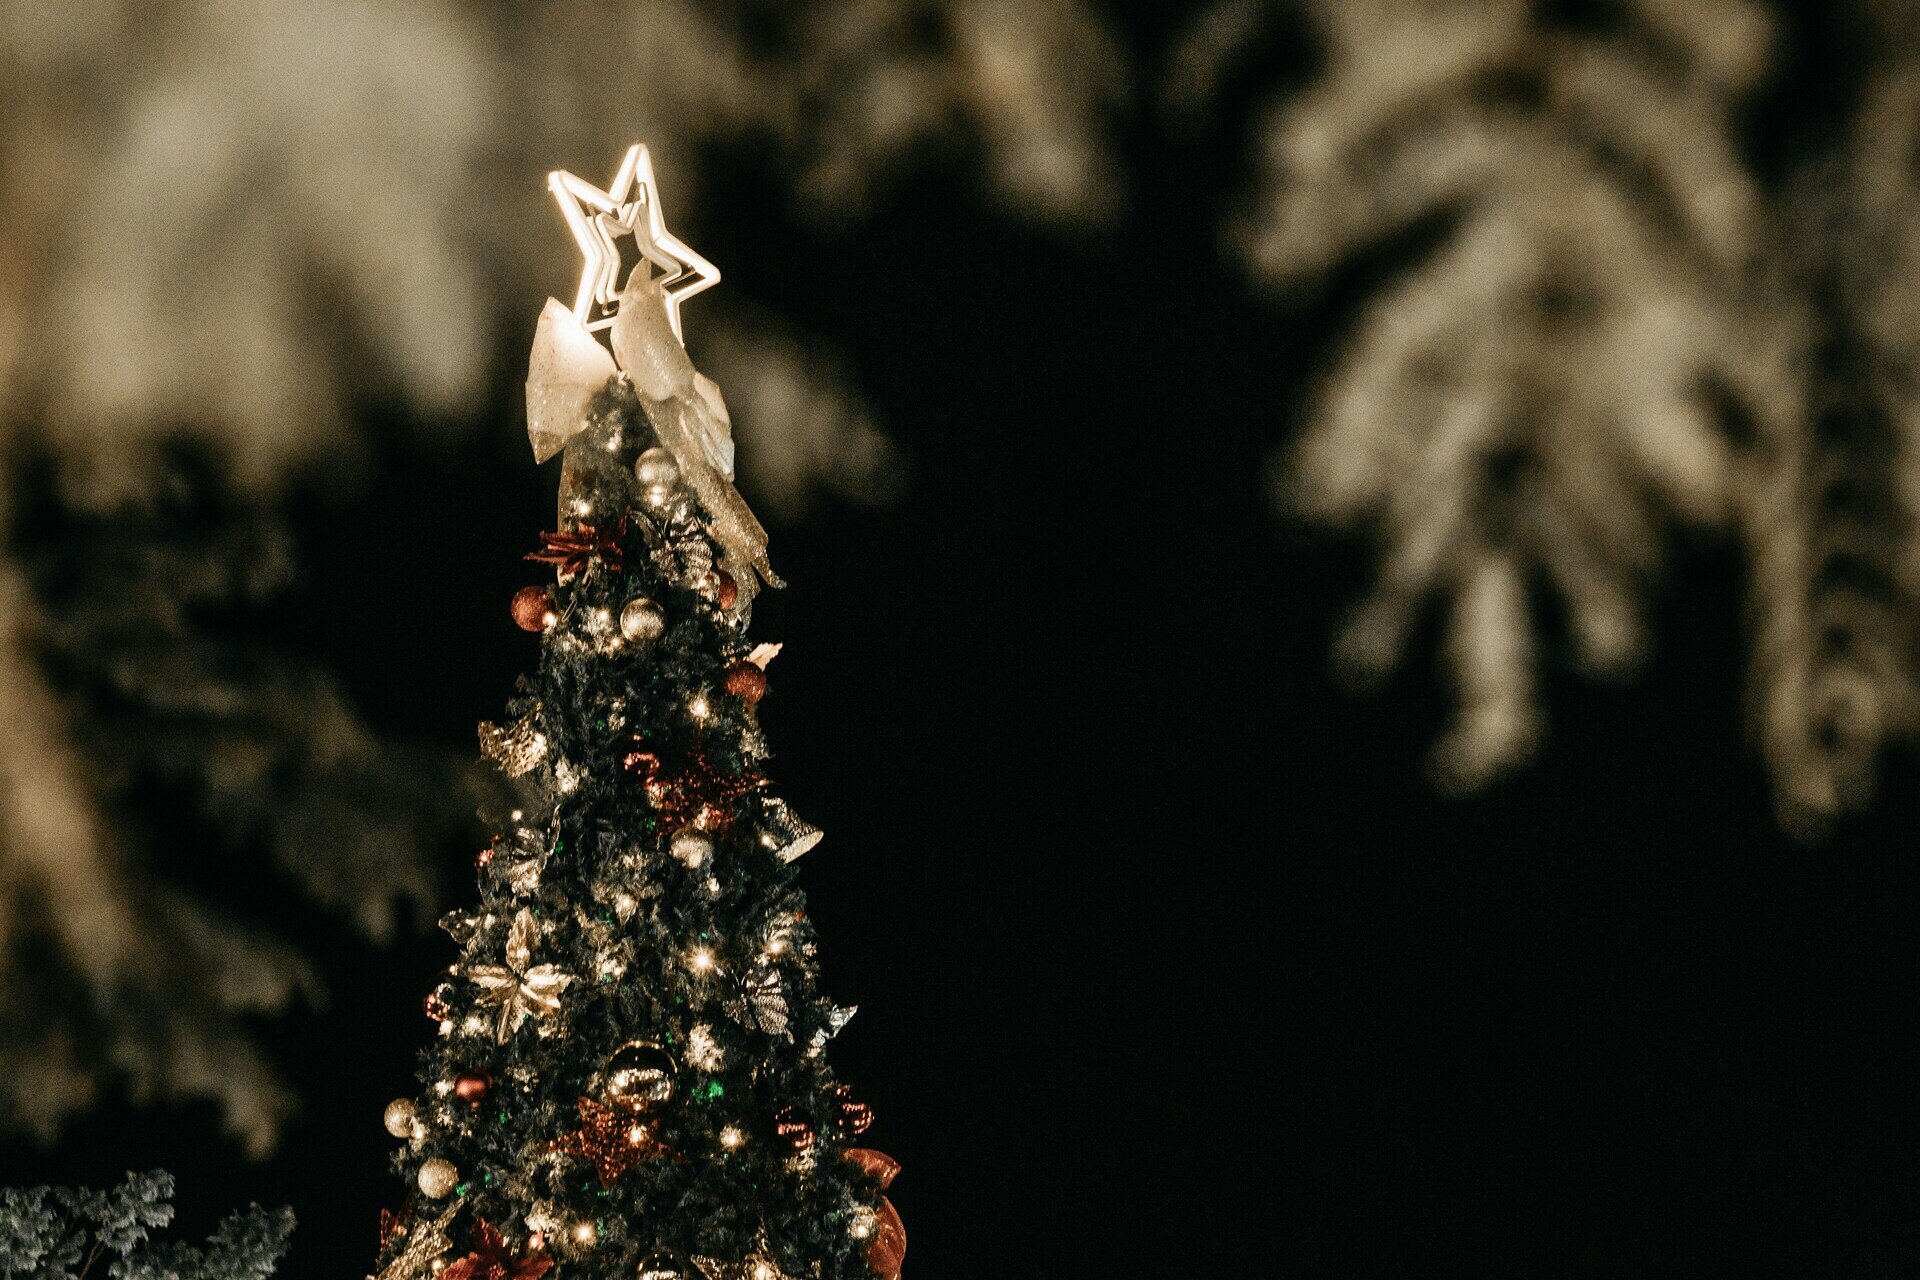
point(629, 1078)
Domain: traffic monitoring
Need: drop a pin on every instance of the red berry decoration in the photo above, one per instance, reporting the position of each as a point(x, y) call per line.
point(533, 608)
point(793, 1128)
point(471, 1086)
point(728, 591)
point(436, 1003)
point(746, 681)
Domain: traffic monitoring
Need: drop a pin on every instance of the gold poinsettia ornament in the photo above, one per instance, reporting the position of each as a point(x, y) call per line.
point(519, 988)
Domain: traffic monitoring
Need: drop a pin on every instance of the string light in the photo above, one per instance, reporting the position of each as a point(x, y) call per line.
point(731, 1138)
point(702, 960)
point(443, 1087)
point(699, 708)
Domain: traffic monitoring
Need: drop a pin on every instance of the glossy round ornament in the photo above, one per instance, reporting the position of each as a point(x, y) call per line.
point(852, 1116)
point(437, 1178)
point(402, 1118)
point(533, 609)
point(726, 591)
point(746, 681)
point(656, 469)
point(660, 1265)
point(642, 621)
point(792, 1127)
point(640, 1078)
point(471, 1087)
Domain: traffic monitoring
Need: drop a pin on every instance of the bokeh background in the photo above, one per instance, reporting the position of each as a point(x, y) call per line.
point(1353, 620)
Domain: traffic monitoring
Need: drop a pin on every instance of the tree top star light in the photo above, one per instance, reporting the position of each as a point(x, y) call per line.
point(630, 206)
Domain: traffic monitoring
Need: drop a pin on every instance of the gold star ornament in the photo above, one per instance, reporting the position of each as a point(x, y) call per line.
point(600, 220)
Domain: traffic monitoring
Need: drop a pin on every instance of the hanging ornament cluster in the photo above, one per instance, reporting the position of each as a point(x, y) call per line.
point(519, 989)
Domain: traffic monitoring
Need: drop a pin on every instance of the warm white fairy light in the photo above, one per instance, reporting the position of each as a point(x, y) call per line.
point(702, 960)
point(625, 904)
point(583, 1232)
point(580, 507)
point(763, 1270)
point(862, 1224)
point(446, 1026)
point(637, 1136)
point(731, 1138)
point(443, 1087)
point(474, 1024)
point(611, 967)
point(699, 707)
point(713, 885)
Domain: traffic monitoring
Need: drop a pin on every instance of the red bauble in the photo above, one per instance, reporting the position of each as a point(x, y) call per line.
point(854, 1117)
point(728, 591)
point(532, 608)
point(793, 1128)
point(471, 1086)
point(746, 681)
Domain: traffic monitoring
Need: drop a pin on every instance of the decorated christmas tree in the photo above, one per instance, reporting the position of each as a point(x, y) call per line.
point(629, 1078)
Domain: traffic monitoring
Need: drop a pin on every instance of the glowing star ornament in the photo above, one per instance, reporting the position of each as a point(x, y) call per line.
point(600, 219)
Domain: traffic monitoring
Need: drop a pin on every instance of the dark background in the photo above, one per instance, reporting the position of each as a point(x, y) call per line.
point(1170, 961)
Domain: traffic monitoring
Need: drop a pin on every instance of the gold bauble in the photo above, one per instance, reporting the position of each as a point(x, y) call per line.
point(402, 1118)
point(639, 1077)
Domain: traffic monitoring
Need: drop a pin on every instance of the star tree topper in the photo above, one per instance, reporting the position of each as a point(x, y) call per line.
point(629, 207)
